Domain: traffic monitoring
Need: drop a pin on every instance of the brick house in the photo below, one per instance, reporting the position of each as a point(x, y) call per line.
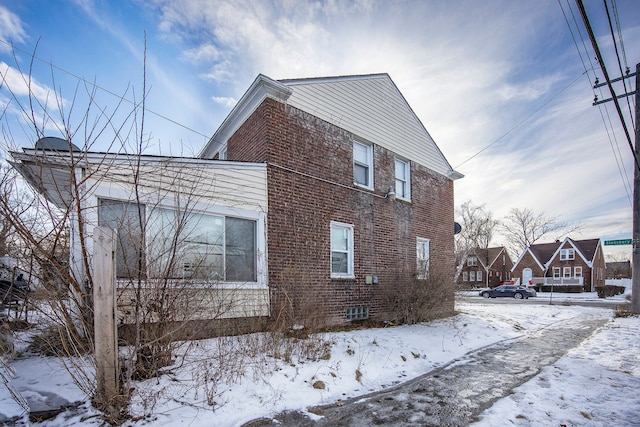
point(486, 267)
point(316, 200)
point(569, 265)
point(360, 198)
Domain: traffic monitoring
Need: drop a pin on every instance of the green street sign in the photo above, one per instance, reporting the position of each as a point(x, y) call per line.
point(617, 242)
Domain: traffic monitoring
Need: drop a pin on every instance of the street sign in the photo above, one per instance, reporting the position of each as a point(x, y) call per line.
point(617, 242)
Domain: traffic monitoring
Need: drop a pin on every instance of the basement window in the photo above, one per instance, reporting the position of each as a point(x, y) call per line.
point(357, 313)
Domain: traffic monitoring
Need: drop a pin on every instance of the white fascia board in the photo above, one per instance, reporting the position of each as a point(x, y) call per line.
point(88, 158)
point(262, 87)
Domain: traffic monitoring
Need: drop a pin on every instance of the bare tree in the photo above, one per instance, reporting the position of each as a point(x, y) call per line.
point(172, 255)
point(524, 227)
point(477, 231)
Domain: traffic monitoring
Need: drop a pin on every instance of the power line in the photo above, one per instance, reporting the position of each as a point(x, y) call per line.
point(521, 122)
point(594, 43)
point(85, 81)
point(615, 47)
point(613, 143)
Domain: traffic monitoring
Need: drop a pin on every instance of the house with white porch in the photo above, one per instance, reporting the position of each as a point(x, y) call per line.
point(568, 265)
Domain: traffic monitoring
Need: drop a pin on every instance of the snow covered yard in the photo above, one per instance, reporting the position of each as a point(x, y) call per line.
point(591, 384)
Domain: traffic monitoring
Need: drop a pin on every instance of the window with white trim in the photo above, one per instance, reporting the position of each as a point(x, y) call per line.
point(577, 272)
point(479, 276)
point(556, 272)
point(472, 261)
point(341, 250)
point(403, 180)
point(363, 165)
point(180, 245)
point(566, 272)
point(472, 276)
point(465, 276)
point(567, 254)
point(422, 258)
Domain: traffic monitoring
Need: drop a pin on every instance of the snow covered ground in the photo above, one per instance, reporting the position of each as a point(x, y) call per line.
point(594, 385)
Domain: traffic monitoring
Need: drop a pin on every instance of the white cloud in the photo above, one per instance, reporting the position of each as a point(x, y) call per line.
point(202, 53)
point(11, 28)
point(22, 85)
point(225, 101)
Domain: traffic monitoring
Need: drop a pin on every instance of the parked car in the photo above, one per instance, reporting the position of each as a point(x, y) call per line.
point(517, 292)
point(12, 291)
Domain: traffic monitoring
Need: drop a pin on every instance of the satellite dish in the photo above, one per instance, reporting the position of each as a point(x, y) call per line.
point(55, 144)
point(457, 228)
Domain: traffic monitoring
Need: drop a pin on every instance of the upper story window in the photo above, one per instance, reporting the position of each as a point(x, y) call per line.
point(341, 250)
point(403, 181)
point(567, 254)
point(180, 245)
point(472, 261)
point(363, 165)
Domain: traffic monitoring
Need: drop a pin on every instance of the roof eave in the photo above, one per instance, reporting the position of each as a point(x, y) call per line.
point(262, 87)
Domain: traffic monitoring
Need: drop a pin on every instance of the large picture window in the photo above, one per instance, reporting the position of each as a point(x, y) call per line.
point(363, 164)
point(180, 245)
point(341, 250)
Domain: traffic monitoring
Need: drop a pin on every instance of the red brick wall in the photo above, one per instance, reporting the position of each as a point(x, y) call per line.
point(527, 261)
point(310, 184)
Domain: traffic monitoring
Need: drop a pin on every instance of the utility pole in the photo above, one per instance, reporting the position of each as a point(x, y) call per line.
point(635, 150)
point(635, 268)
point(635, 255)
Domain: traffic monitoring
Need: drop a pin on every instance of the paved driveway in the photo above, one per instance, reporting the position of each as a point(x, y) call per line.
point(455, 394)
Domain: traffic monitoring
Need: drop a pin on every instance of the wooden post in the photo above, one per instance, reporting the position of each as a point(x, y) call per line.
point(104, 312)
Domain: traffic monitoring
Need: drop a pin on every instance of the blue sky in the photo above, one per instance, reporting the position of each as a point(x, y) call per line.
point(500, 74)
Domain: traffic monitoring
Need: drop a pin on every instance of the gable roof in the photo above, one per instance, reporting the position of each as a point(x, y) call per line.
point(369, 106)
point(488, 256)
point(543, 253)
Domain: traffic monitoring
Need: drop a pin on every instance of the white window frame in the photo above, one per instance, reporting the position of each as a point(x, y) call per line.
point(368, 165)
point(567, 254)
point(566, 272)
point(479, 276)
point(465, 276)
point(577, 271)
point(472, 261)
point(349, 251)
point(472, 276)
point(556, 272)
point(403, 179)
point(423, 256)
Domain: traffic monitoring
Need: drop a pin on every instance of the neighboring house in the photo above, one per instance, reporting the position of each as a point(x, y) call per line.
point(572, 265)
point(486, 267)
point(333, 194)
point(619, 270)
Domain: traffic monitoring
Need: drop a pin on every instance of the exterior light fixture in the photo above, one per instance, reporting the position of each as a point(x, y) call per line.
point(391, 194)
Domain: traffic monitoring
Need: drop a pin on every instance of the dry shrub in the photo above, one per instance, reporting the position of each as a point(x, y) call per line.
point(416, 300)
point(57, 341)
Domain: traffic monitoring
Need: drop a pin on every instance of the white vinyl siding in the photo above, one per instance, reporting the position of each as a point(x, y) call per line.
point(341, 250)
point(403, 179)
point(372, 108)
point(363, 165)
